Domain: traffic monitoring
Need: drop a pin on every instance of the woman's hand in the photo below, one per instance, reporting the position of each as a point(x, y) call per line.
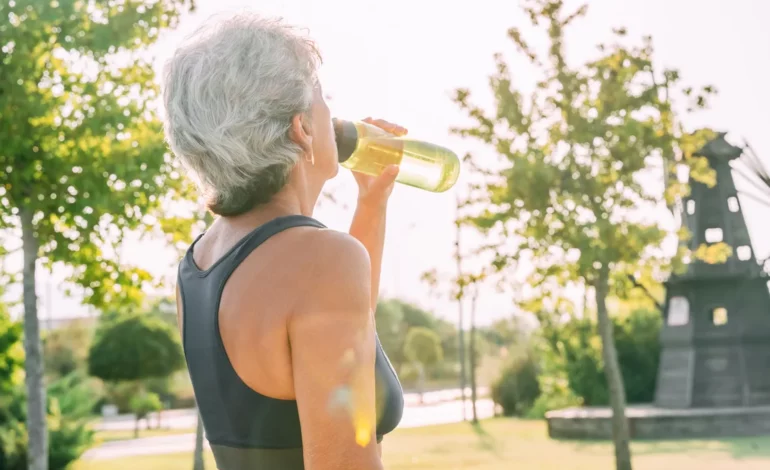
point(374, 191)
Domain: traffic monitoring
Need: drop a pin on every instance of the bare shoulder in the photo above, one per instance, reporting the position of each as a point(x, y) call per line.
point(325, 245)
point(335, 265)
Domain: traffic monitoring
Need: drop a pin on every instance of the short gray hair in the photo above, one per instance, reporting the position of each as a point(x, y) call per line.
point(230, 93)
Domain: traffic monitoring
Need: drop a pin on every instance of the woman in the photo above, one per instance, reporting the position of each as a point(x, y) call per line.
point(276, 312)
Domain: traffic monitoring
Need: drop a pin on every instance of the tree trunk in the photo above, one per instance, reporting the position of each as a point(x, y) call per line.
point(460, 335)
point(198, 463)
point(461, 353)
point(620, 432)
point(37, 454)
point(472, 358)
point(420, 382)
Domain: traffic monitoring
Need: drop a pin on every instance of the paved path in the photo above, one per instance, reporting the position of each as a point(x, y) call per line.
point(414, 416)
point(186, 419)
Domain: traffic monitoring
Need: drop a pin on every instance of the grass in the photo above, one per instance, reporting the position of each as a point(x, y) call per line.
point(124, 435)
point(504, 444)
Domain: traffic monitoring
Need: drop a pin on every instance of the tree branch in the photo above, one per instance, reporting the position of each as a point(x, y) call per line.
point(647, 292)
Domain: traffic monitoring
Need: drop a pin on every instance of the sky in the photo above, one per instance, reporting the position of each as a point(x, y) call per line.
point(400, 60)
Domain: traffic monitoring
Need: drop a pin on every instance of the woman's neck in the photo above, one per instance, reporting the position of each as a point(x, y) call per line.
point(291, 200)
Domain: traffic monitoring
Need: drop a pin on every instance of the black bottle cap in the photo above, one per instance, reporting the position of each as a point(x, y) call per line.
point(346, 136)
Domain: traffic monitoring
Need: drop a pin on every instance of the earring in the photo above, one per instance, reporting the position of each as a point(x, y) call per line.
point(310, 159)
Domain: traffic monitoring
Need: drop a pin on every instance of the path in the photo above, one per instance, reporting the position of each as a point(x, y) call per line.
point(185, 419)
point(414, 416)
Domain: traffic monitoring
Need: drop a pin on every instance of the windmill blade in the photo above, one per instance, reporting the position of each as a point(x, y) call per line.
point(756, 163)
point(759, 199)
point(751, 177)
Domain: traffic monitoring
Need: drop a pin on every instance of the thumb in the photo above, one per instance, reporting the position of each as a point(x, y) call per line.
point(385, 180)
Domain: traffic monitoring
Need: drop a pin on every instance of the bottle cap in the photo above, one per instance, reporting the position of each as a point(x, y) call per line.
point(346, 136)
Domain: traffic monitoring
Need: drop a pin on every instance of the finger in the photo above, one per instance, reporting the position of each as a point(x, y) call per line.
point(387, 126)
point(385, 180)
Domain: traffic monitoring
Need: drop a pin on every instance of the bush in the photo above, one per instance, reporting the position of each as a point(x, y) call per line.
point(572, 356)
point(70, 401)
point(637, 340)
point(142, 405)
point(555, 394)
point(517, 388)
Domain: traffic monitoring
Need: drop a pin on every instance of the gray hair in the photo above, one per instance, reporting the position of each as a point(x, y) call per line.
point(230, 93)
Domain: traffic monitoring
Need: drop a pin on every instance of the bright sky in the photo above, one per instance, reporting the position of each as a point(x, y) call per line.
point(400, 59)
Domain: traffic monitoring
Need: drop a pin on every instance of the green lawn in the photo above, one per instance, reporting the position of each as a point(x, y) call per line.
point(502, 444)
point(108, 436)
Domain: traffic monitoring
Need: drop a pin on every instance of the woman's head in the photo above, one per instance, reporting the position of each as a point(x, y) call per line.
point(244, 108)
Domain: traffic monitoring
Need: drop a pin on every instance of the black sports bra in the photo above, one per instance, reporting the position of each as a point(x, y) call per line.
point(247, 430)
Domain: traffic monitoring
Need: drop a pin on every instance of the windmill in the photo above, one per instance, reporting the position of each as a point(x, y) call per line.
point(716, 334)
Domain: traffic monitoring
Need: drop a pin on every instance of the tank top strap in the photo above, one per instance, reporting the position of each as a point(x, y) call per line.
point(261, 234)
point(227, 264)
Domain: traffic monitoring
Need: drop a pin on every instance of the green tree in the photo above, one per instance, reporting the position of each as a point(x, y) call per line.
point(423, 346)
point(134, 348)
point(66, 349)
point(142, 406)
point(395, 318)
point(579, 153)
point(391, 329)
point(505, 332)
point(83, 156)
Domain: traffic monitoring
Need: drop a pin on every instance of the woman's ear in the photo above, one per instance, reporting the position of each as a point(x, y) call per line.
point(300, 134)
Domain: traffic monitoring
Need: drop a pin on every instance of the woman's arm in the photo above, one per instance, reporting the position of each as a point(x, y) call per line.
point(368, 227)
point(331, 335)
point(368, 224)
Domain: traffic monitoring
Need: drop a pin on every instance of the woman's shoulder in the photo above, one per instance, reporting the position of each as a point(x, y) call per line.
point(332, 252)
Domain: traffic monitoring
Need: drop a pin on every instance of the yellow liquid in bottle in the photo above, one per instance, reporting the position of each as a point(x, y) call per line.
point(421, 164)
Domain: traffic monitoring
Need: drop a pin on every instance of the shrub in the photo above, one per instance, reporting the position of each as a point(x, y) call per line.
point(70, 401)
point(555, 394)
point(574, 369)
point(517, 388)
point(142, 405)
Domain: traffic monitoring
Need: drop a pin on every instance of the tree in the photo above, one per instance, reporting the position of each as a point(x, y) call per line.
point(506, 333)
point(142, 406)
point(83, 153)
point(391, 329)
point(66, 349)
point(579, 153)
point(394, 320)
point(472, 355)
point(135, 347)
point(423, 348)
point(461, 283)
